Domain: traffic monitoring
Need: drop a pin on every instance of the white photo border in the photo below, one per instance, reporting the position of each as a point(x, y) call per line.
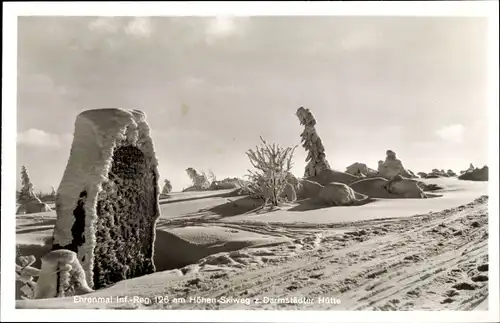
point(401, 8)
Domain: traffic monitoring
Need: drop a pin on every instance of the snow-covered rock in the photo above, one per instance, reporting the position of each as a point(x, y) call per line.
point(332, 176)
point(392, 166)
point(398, 187)
point(360, 169)
point(337, 194)
point(422, 174)
point(478, 174)
point(308, 189)
point(451, 173)
point(61, 275)
point(405, 188)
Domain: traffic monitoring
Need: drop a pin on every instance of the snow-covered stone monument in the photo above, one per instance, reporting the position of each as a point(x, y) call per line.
point(107, 202)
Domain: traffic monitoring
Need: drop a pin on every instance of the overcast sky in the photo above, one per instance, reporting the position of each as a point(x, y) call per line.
point(211, 86)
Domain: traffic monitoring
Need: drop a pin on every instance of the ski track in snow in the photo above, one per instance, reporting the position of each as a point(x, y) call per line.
point(424, 262)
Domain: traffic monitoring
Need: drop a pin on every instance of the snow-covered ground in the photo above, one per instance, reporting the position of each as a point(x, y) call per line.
point(212, 252)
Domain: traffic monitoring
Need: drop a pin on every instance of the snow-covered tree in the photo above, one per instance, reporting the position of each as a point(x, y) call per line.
point(200, 181)
point(27, 192)
point(28, 200)
point(167, 188)
point(316, 156)
point(272, 165)
point(210, 177)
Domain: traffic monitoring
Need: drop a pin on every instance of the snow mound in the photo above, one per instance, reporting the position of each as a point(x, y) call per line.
point(328, 176)
point(478, 174)
point(182, 246)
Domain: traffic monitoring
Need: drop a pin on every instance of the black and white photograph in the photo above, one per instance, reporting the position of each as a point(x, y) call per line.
point(306, 160)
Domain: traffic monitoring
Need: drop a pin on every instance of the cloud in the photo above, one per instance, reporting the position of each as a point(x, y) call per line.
point(139, 26)
point(223, 27)
point(39, 138)
point(104, 24)
point(452, 133)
